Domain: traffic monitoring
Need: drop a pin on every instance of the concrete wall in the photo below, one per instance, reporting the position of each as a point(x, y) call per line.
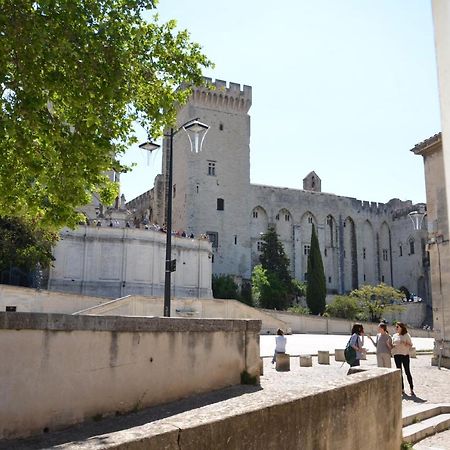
point(31, 300)
point(58, 370)
point(324, 325)
point(114, 262)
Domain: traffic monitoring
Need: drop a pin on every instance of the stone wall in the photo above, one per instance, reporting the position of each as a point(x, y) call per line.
point(114, 262)
point(59, 370)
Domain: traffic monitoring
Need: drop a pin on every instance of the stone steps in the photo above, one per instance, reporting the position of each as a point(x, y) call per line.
point(425, 421)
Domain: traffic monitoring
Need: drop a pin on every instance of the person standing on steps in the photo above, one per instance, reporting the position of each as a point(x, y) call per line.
point(402, 344)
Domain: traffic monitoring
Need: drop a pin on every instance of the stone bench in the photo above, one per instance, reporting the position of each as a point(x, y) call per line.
point(323, 357)
point(339, 354)
point(282, 362)
point(305, 361)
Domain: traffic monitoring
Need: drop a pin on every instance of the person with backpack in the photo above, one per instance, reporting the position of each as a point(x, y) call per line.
point(354, 350)
point(402, 344)
point(383, 344)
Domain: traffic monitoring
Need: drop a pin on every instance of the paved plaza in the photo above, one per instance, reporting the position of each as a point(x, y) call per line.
point(299, 344)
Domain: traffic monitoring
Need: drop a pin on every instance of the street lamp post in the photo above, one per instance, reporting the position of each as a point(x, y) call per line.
point(196, 132)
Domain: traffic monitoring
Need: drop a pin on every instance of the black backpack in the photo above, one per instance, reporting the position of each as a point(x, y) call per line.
point(349, 353)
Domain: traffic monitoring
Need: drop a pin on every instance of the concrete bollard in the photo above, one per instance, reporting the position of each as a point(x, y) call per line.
point(412, 352)
point(323, 357)
point(261, 366)
point(363, 356)
point(305, 361)
point(339, 354)
point(283, 362)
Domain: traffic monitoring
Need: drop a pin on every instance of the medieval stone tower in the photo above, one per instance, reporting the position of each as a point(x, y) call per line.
point(211, 187)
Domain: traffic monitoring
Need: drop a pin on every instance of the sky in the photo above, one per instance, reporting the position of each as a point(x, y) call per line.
point(342, 87)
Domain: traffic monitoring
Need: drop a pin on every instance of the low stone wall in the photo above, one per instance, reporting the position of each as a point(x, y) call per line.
point(325, 325)
point(59, 370)
point(344, 415)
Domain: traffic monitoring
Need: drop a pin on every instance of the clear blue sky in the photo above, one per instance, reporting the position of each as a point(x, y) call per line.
point(342, 87)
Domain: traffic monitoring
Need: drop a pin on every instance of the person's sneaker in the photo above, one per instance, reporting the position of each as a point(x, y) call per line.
point(412, 393)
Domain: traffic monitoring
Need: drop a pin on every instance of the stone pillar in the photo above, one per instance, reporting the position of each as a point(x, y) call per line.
point(339, 354)
point(282, 362)
point(441, 305)
point(323, 357)
point(305, 361)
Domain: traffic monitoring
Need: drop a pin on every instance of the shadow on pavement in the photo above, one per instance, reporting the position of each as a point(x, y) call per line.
point(86, 430)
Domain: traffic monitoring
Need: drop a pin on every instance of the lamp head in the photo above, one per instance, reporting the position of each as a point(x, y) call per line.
point(149, 145)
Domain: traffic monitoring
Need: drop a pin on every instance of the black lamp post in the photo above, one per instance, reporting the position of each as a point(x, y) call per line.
point(196, 132)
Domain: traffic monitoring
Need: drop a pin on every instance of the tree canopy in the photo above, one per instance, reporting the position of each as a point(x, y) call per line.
point(75, 77)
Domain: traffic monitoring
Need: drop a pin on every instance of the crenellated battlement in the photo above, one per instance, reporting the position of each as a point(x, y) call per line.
point(220, 95)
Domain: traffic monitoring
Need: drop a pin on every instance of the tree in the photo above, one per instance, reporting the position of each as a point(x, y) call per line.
point(268, 290)
point(75, 78)
point(344, 307)
point(316, 290)
point(271, 280)
point(23, 245)
point(376, 300)
point(223, 286)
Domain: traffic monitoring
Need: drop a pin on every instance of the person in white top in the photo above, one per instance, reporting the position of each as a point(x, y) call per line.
point(401, 345)
point(280, 344)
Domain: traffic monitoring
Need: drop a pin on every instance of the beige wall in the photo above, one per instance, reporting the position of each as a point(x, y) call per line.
point(324, 325)
point(114, 262)
point(58, 370)
point(441, 18)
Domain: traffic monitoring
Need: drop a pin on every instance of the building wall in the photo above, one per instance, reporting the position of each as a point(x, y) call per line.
point(441, 271)
point(114, 262)
point(85, 367)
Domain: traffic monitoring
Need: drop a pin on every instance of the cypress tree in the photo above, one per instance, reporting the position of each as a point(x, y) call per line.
point(316, 289)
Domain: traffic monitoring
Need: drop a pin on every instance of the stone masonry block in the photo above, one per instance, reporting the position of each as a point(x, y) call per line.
point(283, 362)
point(323, 357)
point(339, 354)
point(305, 361)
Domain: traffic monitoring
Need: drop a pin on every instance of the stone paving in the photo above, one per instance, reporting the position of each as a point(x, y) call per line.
point(431, 386)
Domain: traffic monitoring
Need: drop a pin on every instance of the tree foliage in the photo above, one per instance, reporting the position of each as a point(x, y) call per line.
point(376, 300)
point(75, 76)
point(223, 286)
point(272, 286)
point(344, 307)
point(23, 245)
point(316, 290)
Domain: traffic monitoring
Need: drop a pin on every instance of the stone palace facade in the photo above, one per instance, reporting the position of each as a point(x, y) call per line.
point(361, 241)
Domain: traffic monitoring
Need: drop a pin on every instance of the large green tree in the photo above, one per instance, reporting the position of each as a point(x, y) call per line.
point(316, 289)
point(75, 77)
point(271, 280)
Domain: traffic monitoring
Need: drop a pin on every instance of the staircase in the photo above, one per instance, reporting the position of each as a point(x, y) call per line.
point(425, 420)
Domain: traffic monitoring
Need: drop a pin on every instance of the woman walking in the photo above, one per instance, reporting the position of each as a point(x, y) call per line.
point(402, 344)
point(383, 345)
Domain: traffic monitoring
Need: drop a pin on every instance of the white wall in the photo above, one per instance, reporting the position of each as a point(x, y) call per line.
point(114, 262)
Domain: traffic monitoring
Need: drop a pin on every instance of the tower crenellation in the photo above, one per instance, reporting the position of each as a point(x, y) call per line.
point(220, 95)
